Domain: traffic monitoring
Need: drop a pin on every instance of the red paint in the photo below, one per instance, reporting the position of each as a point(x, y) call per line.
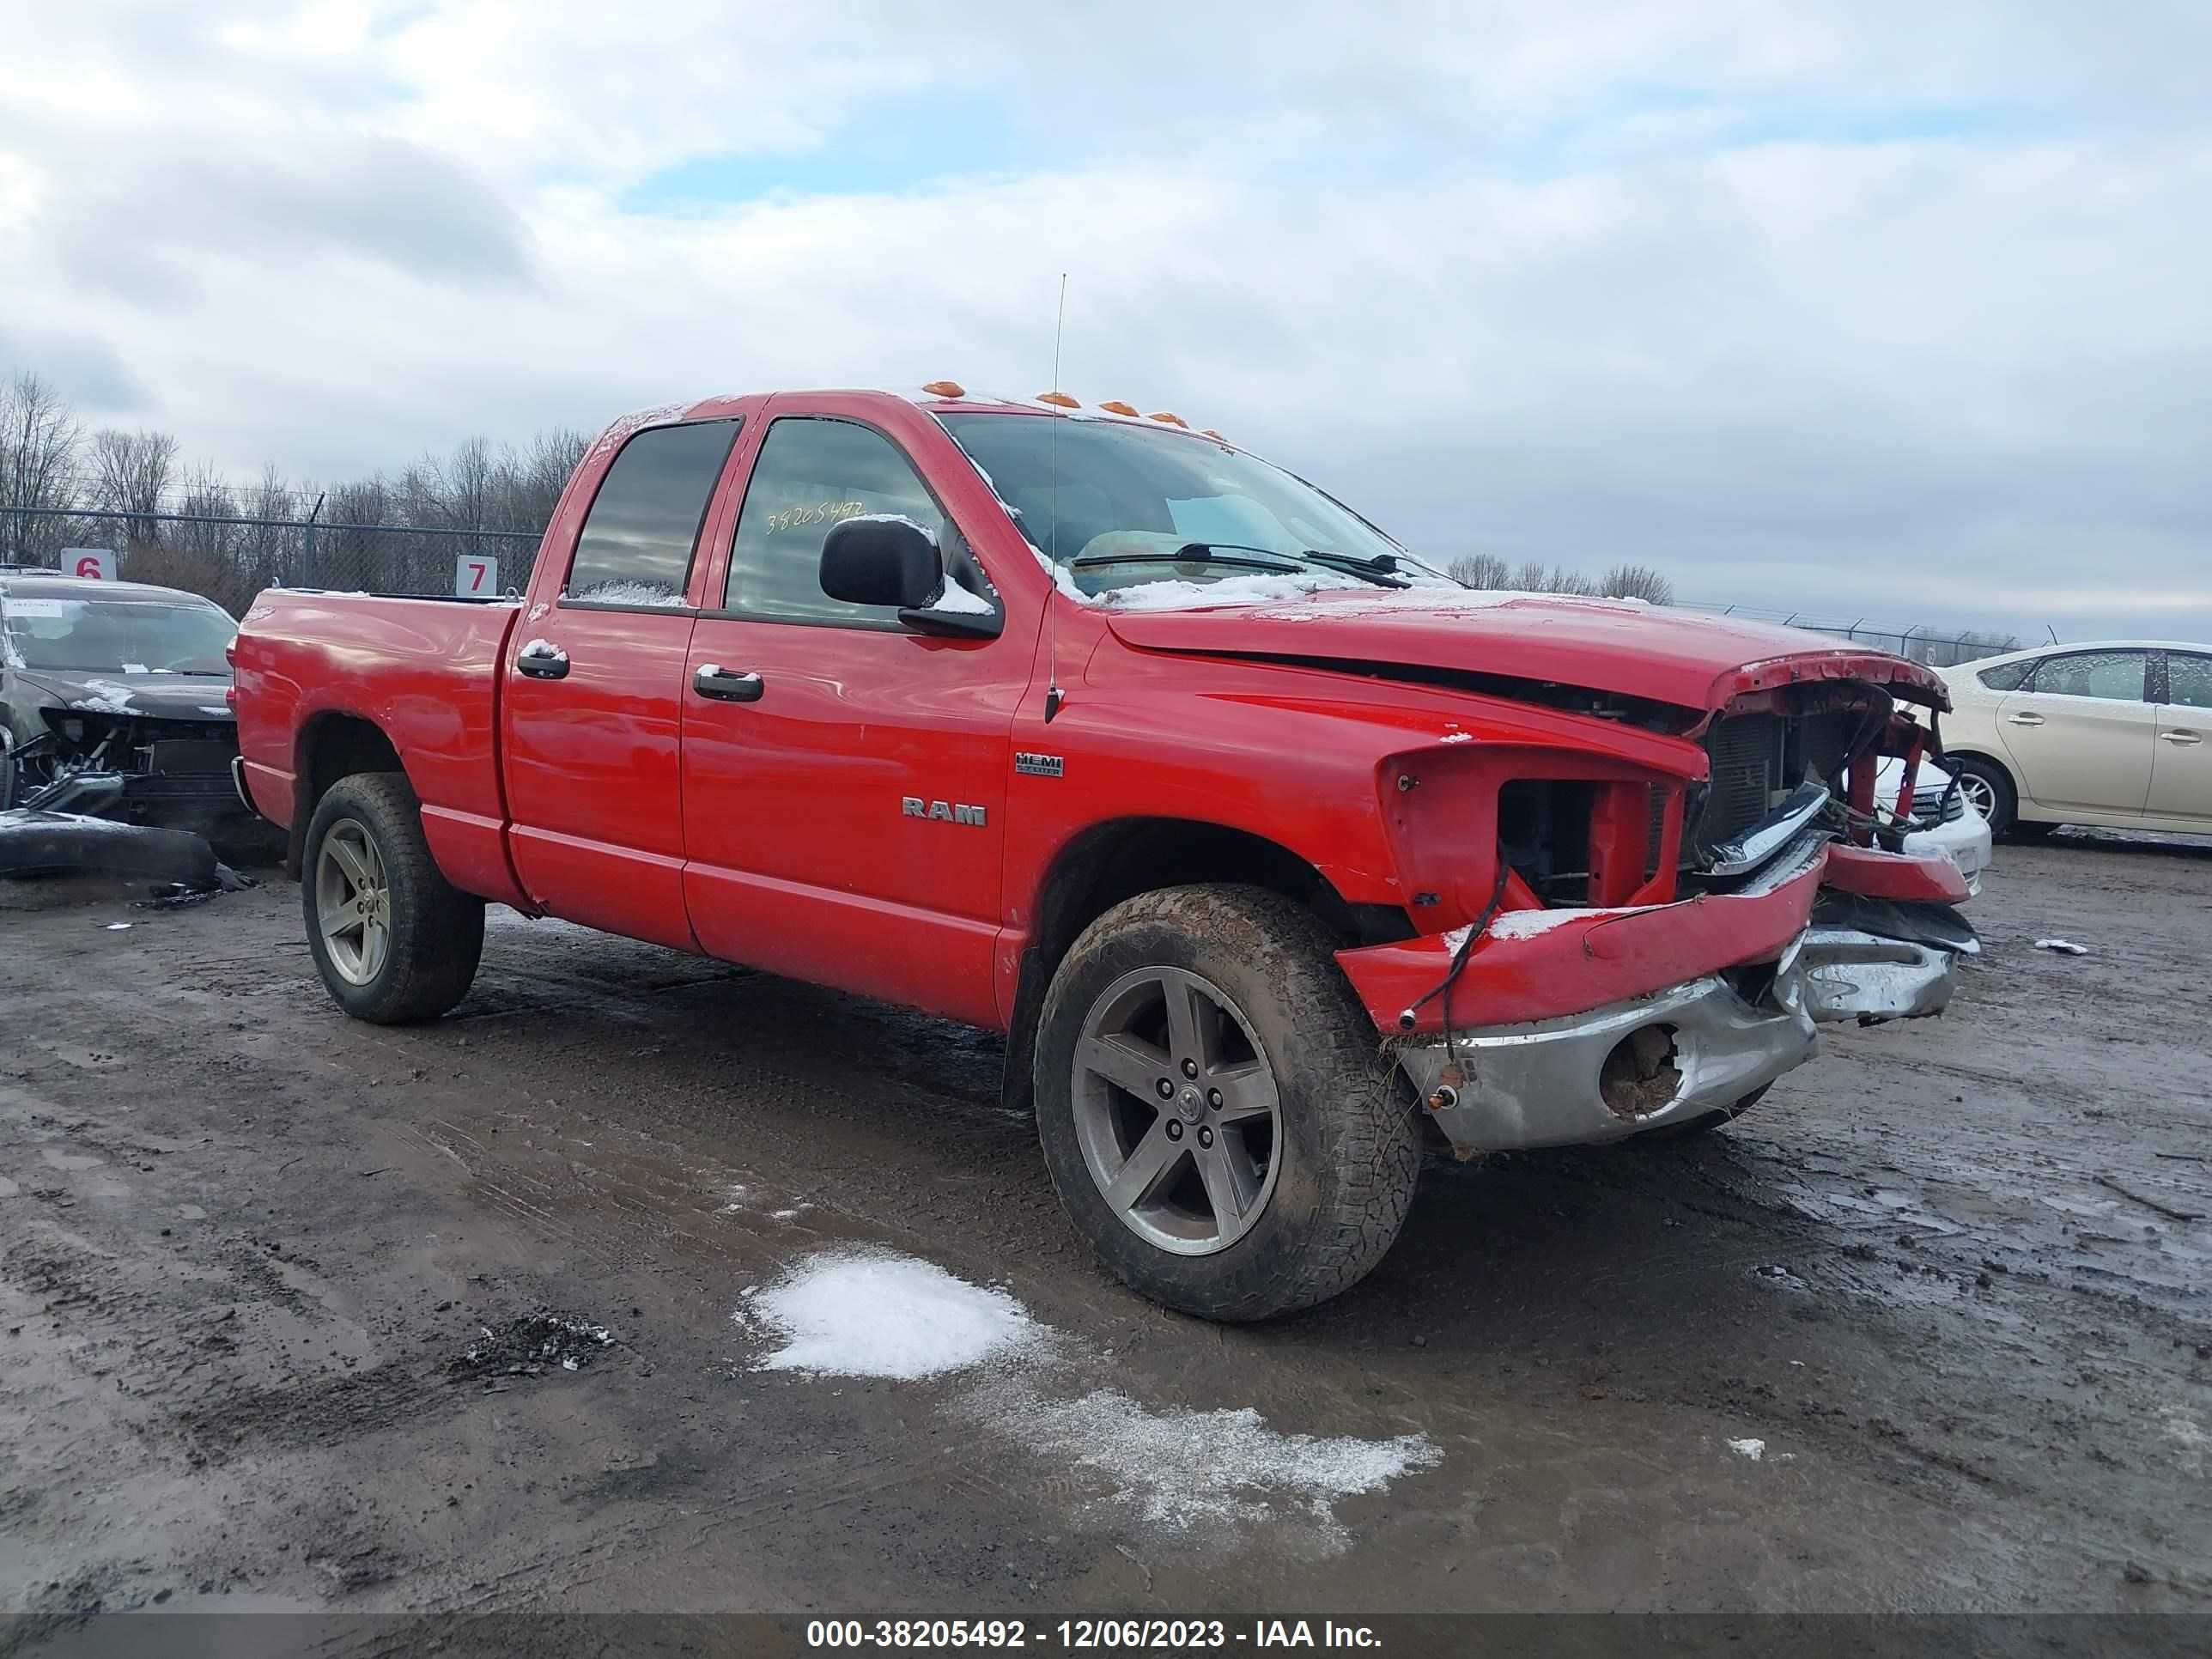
point(771, 833)
point(1871, 873)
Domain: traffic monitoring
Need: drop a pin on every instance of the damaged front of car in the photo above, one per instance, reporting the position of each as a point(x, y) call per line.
point(1639, 923)
point(115, 703)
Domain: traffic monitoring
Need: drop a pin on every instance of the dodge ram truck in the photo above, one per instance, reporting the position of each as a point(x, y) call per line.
point(1279, 857)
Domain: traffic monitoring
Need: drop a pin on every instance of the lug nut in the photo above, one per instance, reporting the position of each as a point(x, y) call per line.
point(1174, 1129)
point(1190, 1069)
point(1166, 1087)
point(1214, 1098)
point(1204, 1136)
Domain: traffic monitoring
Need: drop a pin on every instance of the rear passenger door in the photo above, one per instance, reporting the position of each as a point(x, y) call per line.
point(594, 690)
point(2181, 769)
point(2081, 731)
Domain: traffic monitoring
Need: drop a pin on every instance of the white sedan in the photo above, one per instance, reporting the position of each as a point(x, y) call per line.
point(1955, 829)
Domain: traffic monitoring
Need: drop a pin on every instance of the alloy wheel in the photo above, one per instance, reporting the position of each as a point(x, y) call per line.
point(353, 902)
point(1176, 1110)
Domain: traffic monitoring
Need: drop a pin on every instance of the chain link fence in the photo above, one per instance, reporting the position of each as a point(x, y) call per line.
point(1937, 649)
point(231, 557)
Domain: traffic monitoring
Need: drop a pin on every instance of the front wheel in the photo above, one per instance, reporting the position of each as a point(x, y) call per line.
point(393, 938)
point(1214, 1109)
point(1989, 788)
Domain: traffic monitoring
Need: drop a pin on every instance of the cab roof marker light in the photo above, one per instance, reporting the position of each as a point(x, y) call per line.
point(1117, 407)
point(1057, 399)
point(945, 389)
point(1172, 420)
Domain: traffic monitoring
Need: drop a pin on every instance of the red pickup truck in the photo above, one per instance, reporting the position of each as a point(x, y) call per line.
point(1274, 852)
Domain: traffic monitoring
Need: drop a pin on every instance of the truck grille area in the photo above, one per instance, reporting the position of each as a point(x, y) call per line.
point(1746, 753)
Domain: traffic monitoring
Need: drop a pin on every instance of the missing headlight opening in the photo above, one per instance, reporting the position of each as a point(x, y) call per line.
point(1643, 1074)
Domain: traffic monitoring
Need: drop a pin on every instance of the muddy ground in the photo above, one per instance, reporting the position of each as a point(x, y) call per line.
point(267, 1281)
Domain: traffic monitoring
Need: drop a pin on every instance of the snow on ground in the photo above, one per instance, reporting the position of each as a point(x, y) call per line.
point(852, 1314)
point(1182, 1471)
point(1193, 1471)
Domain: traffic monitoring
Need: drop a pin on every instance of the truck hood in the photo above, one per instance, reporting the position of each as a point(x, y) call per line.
point(1624, 648)
point(151, 696)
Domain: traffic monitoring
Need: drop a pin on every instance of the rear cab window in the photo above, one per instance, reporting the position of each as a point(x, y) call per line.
point(642, 533)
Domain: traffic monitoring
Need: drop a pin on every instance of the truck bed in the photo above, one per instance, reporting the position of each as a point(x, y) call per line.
point(424, 672)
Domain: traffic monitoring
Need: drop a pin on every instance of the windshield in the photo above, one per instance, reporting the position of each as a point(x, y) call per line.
point(1118, 505)
point(129, 636)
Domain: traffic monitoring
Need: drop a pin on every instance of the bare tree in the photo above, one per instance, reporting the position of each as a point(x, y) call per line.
point(130, 470)
point(1638, 581)
point(39, 436)
point(1529, 577)
point(1484, 570)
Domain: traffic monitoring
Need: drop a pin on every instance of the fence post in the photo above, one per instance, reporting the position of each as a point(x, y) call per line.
point(308, 559)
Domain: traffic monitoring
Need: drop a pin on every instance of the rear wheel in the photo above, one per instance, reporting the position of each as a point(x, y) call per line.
point(393, 938)
point(1214, 1110)
point(1990, 789)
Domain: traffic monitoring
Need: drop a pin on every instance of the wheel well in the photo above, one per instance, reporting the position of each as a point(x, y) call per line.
point(330, 747)
point(1110, 862)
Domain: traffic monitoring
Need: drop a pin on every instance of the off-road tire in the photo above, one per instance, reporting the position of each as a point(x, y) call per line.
point(436, 931)
point(1346, 1147)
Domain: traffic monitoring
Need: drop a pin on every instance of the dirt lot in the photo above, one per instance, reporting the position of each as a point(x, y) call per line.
point(247, 1248)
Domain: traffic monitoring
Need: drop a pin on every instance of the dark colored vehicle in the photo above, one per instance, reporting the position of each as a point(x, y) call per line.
point(115, 701)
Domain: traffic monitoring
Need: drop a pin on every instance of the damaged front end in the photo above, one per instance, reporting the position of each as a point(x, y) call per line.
point(1658, 930)
point(128, 766)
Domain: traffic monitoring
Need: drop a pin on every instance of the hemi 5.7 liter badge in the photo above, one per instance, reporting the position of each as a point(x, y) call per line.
point(1038, 766)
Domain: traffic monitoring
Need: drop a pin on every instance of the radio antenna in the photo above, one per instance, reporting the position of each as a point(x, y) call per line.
point(1053, 696)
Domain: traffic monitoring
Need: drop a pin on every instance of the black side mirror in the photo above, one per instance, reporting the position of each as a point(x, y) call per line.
point(886, 558)
point(882, 559)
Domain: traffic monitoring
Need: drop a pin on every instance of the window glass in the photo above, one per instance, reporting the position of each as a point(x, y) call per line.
point(2188, 679)
point(637, 540)
point(122, 635)
point(813, 474)
point(2115, 674)
point(2006, 676)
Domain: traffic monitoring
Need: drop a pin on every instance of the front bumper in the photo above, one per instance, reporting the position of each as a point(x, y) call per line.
point(1670, 1057)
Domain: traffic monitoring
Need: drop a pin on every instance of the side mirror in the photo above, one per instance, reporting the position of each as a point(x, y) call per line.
point(886, 558)
point(882, 558)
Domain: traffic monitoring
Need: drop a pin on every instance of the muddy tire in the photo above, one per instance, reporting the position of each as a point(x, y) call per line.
point(1215, 1111)
point(394, 940)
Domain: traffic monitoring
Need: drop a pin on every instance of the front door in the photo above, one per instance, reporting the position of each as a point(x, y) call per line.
point(2081, 730)
point(593, 696)
point(2181, 770)
point(844, 777)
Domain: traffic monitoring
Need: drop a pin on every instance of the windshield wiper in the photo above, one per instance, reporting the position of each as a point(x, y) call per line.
point(1381, 570)
point(1231, 554)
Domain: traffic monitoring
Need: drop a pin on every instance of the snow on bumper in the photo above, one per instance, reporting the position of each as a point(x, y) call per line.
point(1606, 1025)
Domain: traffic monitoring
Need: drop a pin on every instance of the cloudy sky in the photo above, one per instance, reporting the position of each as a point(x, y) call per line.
point(1899, 310)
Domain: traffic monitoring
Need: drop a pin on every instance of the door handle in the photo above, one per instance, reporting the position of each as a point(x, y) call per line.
point(2180, 736)
point(727, 684)
point(542, 660)
point(2025, 719)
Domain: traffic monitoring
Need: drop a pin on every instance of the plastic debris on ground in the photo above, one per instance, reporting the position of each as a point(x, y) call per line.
point(2063, 946)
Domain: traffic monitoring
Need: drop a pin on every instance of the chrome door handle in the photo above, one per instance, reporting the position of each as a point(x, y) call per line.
point(542, 660)
point(2025, 719)
point(727, 684)
point(2180, 736)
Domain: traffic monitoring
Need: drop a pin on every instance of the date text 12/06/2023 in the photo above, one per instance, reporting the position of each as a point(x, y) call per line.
point(1087, 1634)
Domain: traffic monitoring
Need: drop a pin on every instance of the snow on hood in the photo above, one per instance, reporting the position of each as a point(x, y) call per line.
point(1622, 647)
point(161, 695)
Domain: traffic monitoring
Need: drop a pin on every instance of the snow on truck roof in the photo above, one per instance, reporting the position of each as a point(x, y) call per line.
point(53, 584)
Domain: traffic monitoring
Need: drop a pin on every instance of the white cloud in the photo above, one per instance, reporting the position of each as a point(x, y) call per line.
point(1851, 306)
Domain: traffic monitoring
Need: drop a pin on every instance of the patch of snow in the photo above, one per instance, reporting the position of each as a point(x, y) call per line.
point(1191, 1472)
point(1456, 736)
point(629, 593)
point(2065, 947)
point(224, 712)
point(107, 698)
point(118, 926)
point(1774, 1273)
point(1528, 923)
point(1754, 1450)
point(136, 668)
point(1177, 594)
point(956, 601)
point(875, 1315)
point(890, 518)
